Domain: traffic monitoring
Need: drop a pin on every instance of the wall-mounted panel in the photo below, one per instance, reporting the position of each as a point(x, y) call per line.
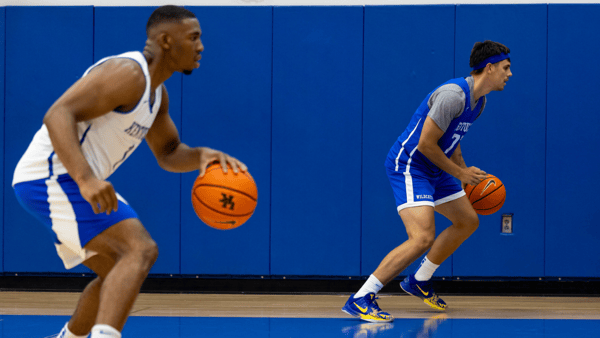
point(2, 87)
point(572, 232)
point(402, 65)
point(151, 191)
point(508, 140)
point(317, 105)
point(38, 71)
point(227, 106)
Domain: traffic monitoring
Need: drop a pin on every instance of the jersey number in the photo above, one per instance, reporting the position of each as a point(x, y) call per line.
point(124, 156)
point(456, 138)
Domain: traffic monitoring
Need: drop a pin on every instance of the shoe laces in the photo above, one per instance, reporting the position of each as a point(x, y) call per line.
point(374, 304)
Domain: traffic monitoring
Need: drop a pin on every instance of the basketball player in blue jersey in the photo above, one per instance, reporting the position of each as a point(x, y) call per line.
point(86, 135)
point(422, 166)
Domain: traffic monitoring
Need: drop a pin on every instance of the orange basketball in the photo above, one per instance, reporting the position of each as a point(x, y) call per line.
point(488, 196)
point(224, 201)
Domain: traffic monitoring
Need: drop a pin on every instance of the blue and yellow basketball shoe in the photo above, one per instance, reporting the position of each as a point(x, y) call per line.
point(366, 308)
point(423, 290)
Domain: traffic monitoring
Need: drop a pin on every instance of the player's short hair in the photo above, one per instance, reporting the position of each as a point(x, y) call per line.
point(168, 13)
point(485, 49)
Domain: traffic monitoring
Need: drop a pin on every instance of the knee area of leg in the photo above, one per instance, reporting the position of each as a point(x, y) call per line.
point(425, 242)
point(148, 252)
point(151, 252)
point(470, 224)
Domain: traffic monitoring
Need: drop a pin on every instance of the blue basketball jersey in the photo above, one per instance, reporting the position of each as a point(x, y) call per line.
point(404, 152)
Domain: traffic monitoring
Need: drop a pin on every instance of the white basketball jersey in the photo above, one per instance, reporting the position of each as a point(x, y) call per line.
point(107, 141)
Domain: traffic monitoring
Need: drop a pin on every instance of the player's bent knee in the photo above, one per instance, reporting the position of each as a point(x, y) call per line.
point(469, 224)
point(424, 242)
point(473, 223)
point(148, 253)
point(153, 253)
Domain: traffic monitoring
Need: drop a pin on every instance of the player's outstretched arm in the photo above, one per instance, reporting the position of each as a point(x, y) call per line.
point(116, 83)
point(428, 146)
point(173, 155)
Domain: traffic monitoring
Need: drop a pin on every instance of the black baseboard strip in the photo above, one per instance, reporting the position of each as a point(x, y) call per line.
point(310, 286)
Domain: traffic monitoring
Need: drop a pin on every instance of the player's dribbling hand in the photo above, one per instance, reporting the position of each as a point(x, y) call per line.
point(100, 195)
point(472, 176)
point(208, 155)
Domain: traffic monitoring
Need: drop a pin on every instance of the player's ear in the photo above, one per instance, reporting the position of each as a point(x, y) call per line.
point(165, 40)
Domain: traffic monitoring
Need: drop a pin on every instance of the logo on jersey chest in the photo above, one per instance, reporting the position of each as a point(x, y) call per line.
point(137, 131)
point(463, 126)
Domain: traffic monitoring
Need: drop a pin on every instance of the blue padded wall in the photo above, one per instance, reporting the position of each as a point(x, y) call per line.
point(36, 75)
point(227, 106)
point(572, 232)
point(317, 104)
point(150, 190)
point(2, 51)
point(312, 98)
point(401, 66)
point(508, 140)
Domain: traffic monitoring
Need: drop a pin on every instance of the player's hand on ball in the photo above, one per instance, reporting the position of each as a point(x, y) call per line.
point(472, 175)
point(208, 155)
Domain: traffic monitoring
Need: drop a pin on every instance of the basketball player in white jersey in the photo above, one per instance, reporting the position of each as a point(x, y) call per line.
point(86, 135)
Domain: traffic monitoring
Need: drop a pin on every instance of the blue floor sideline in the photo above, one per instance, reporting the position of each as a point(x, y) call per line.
point(21, 326)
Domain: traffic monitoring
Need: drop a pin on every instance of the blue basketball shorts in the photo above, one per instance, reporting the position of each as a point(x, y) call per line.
point(414, 188)
point(57, 203)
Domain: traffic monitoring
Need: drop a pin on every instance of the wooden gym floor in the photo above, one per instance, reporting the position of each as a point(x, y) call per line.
point(310, 306)
point(538, 316)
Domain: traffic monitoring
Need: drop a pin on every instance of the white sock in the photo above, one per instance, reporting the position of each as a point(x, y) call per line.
point(425, 270)
point(105, 331)
point(65, 333)
point(371, 285)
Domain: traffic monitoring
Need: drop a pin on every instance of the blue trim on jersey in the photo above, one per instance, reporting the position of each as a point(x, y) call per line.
point(146, 80)
point(84, 134)
point(151, 104)
point(124, 157)
point(50, 167)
